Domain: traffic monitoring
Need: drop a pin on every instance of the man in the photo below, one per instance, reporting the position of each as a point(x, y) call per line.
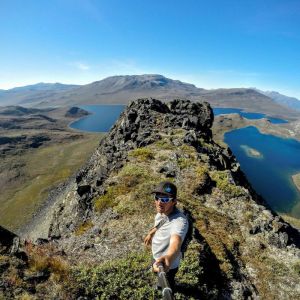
point(169, 231)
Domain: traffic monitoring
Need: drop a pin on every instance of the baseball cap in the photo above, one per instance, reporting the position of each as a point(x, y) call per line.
point(167, 188)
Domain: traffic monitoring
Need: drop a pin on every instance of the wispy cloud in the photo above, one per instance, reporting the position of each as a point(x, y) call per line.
point(234, 73)
point(80, 65)
point(119, 67)
point(128, 66)
point(221, 78)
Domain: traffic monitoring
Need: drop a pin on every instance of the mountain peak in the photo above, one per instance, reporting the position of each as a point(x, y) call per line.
point(146, 81)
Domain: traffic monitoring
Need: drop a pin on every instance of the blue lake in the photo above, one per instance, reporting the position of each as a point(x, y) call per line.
point(248, 115)
point(270, 173)
point(101, 119)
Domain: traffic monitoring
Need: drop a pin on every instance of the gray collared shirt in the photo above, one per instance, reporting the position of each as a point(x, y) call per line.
point(176, 223)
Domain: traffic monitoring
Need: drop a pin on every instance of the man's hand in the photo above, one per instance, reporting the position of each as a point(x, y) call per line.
point(165, 261)
point(172, 253)
point(149, 236)
point(148, 240)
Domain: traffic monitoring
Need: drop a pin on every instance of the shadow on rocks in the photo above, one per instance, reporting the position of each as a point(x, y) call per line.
point(213, 283)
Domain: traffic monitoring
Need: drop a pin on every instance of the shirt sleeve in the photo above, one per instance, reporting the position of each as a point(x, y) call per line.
point(158, 217)
point(180, 227)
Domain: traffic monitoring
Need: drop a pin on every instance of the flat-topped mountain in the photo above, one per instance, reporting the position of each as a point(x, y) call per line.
point(119, 89)
point(93, 226)
point(140, 82)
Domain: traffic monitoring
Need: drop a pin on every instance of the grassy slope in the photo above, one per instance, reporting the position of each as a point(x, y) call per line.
point(43, 168)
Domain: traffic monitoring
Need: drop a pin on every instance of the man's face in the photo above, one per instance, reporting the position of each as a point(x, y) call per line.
point(164, 208)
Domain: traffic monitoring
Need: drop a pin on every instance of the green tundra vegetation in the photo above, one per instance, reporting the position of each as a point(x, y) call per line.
point(40, 170)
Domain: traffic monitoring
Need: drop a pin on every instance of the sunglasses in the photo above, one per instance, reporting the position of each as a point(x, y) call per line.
point(163, 199)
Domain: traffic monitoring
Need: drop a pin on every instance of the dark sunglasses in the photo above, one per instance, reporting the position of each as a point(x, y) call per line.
point(163, 199)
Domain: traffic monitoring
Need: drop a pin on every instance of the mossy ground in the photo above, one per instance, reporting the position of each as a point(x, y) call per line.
point(126, 278)
point(222, 180)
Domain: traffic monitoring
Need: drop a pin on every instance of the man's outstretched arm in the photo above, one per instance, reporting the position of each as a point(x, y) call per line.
point(172, 253)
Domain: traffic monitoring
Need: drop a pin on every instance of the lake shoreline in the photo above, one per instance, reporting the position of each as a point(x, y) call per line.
point(296, 180)
point(269, 179)
point(90, 124)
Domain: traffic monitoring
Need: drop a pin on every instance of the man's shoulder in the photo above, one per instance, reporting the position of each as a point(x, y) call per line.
point(179, 219)
point(179, 224)
point(158, 218)
point(179, 214)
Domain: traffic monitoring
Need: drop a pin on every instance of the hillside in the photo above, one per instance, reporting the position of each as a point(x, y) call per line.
point(33, 94)
point(248, 99)
point(290, 102)
point(95, 224)
point(38, 150)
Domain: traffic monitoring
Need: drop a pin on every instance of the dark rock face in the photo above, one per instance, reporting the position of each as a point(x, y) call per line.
point(169, 169)
point(6, 237)
point(36, 277)
point(204, 186)
point(11, 244)
point(191, 115)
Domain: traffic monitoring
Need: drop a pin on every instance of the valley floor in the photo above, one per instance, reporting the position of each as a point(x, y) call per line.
point(37, 155)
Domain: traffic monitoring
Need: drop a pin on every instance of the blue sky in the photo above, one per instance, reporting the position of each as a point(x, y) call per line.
point(212, 44)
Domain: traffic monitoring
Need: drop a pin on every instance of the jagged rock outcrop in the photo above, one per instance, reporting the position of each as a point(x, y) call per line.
point(139, 125)
point(240, 249)
point(25, 269)
point(6, 239)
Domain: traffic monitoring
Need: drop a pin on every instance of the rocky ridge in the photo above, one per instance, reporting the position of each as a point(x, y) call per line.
point(240, 249)
point(140, 125)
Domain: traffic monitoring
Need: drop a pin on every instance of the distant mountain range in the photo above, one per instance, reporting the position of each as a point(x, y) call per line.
point(31, 95)
point(290, 102)
point(122, 89)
